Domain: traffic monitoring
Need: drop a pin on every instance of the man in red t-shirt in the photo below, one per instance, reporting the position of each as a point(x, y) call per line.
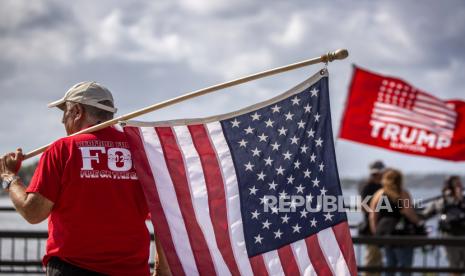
point(87, 186)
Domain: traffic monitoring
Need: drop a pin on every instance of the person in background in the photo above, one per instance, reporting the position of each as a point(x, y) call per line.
point(368, 188)
point(391, 204)
point(451, 208)
point(87, 187)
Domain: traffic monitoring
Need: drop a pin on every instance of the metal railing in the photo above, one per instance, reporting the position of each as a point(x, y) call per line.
point(21, 252)
point(428, 258)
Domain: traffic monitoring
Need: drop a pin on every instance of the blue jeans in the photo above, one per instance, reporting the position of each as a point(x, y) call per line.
point(399, 257)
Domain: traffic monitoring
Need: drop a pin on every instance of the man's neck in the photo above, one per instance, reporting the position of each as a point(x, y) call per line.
point(89, 123)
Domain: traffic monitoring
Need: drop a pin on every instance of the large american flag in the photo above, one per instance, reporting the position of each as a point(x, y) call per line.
point(207, 182)
point(400, 103)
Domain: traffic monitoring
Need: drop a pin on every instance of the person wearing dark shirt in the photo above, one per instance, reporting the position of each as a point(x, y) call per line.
point(451, 208)
point(368, 188)
point(384, 221)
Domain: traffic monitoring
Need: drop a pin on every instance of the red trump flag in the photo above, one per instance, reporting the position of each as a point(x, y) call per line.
point(390, 113)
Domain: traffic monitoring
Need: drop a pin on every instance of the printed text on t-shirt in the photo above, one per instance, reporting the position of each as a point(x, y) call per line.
point(106, 160)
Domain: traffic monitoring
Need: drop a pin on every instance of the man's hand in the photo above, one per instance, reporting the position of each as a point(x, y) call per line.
point(11, 162)
point(32, 206)
point(161, 264)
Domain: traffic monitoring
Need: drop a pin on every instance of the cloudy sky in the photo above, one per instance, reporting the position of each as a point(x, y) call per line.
point(149, 51)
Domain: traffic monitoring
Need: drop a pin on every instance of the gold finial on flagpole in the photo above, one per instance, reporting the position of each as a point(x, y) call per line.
point(338, 54)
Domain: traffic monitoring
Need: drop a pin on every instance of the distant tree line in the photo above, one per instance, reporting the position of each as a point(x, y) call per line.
point(27, 171)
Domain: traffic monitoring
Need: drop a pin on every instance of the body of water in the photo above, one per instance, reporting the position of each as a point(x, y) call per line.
point(13, 221)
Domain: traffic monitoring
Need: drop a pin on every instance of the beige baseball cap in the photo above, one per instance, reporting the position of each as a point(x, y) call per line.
point(89, 93)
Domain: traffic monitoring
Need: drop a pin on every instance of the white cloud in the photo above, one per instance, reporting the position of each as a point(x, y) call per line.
point(24, 40)
point(292, 34)
point(237, 65)
point(13, 13)
point(204, 7)
point(105, 36)
point(139, 41)
point(36, 47)
point(434, 79)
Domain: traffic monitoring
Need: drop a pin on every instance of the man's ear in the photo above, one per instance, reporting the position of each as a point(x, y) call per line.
point(79, 112)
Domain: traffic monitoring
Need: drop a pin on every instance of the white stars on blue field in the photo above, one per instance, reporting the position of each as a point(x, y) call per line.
point(284, 150)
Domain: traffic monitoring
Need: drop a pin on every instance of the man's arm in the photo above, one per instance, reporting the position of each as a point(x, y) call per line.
point(32, 206)
point(432, 209)
point(373, 215)
point(161, 264)
point(408, 210)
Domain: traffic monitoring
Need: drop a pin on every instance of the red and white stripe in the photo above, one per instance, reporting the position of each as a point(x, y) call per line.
point(439, 123)
point(429, 102)
point(390, 109)
point(191, 188)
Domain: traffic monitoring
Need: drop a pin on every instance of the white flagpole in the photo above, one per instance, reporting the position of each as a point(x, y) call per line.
point(330, 56)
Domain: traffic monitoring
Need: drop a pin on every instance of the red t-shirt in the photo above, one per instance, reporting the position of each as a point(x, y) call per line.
point(98, 217)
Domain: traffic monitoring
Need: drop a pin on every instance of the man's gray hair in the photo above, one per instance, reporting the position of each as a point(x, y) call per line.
point(97, 113)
